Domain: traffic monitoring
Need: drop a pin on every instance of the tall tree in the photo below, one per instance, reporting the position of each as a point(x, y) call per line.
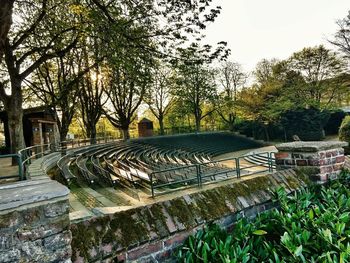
point(196, 85)
point(317, 65)
point(43, 30)
point(159, 97)
point(92, 87)
point(342, 36)
point(264, 70)
point(128, 80)
point(232, 78)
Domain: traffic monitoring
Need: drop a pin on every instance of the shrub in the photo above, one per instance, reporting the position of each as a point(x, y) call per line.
point(306, 123)
point(344, 131)
point(311, 226)
point(333, 124)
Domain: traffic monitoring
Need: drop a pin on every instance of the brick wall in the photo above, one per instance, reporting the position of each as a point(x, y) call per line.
point(322, 161)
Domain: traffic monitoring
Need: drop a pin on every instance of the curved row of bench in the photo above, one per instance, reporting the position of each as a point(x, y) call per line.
point(145, 162)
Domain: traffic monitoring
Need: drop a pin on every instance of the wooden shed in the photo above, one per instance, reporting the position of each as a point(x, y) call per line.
point(145, 127)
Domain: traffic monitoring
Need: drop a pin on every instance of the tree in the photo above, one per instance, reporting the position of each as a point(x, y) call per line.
point(164, 23)
point(159, 97)
point(317, 66)
point(44, 30)
point(196, 82)
point(342, 36)
point(92, 87)
point(56, 83)
point(128, 78)
point(264, 70)
point(232, 78)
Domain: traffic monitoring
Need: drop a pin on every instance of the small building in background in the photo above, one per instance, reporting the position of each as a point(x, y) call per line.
point(145, 127)
point(39, 126)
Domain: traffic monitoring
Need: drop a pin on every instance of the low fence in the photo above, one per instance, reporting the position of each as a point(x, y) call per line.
point(199, 174)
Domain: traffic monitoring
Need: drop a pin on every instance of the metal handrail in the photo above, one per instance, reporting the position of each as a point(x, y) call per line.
point(199, 176)
point(37, 151)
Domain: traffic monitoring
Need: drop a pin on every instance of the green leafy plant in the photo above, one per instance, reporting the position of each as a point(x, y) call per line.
point(313, 225)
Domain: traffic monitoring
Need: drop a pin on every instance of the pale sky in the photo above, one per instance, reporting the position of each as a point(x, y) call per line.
point(257, 29)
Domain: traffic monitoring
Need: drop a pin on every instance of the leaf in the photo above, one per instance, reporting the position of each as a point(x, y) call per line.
point(328, 235)
point(311, 214)
point(259, 232)
point(344, 217)
point(298, 251)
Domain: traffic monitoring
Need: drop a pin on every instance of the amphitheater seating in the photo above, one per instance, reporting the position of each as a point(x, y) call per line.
point(169, 161)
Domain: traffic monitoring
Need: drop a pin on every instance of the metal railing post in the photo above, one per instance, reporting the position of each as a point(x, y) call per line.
point(238, 169)
point(20, 167)
point(152, 189)
point(199, 175)
point(269, 159)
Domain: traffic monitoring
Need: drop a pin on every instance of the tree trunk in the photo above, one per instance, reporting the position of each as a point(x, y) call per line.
point(125, 133)
point(198, 123)
point(231, 122)
point(63, 132)
point(13, 107)
point(161, 125)
point(15, 122)
point(266, 133)
point(93, 134)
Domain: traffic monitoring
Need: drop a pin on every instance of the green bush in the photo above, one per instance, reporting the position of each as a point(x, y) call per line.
point(333, 124)
point(306, 123)
point(344, 131)
point(311, 226)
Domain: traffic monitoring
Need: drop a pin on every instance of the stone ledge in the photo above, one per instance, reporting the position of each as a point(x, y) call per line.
point(313, 146)
point(139, 230)
point(30, 192)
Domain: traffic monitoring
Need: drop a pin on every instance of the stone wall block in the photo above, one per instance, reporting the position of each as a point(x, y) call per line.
point(144, 250)
point(59, 241)
point(47, 228)
point(301, 162)
point(332, 153)
point(10, 255)
point(314, 162)
point(10, 220)
point(8, 240)
point(340, 159)
point(326, 169)
point(290, 162)
point(177, 239)
point(57, 209)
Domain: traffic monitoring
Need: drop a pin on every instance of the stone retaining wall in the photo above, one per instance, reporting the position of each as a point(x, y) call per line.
point(151, 233)
point(34, 222)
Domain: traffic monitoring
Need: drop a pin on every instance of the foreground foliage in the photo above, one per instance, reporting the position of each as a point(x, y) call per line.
point(313, 225)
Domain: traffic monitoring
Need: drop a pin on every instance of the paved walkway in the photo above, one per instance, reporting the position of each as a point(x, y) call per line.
point(6, 169)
